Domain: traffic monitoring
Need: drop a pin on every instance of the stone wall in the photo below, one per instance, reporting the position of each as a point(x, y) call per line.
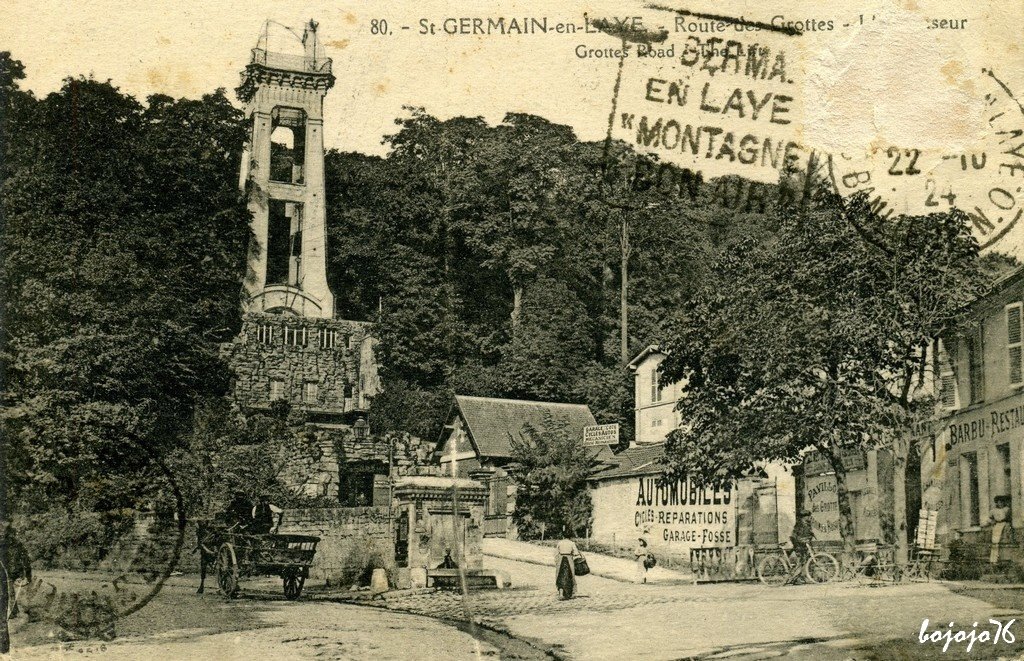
point(325, 368)
point(353, 541)
point(262, 353)
point(410, 456)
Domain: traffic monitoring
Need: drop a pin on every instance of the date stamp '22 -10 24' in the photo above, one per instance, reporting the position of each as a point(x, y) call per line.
point(986, 182)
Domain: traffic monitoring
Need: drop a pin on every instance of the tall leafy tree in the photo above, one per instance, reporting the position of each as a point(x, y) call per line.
point(543, 360)
point(526, 183)
point(125, 240)
point(818, 338)
point(550, 470)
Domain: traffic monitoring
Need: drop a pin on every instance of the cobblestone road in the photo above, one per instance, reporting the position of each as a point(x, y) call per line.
point(612, 619)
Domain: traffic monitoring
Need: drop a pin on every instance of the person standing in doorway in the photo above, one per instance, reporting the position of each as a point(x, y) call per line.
point(641, 553)
point(566, 552)
point(999, 518)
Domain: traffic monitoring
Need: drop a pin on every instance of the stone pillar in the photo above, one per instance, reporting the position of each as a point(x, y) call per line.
point(314, 219)
point(259, 175)
point(276, 85)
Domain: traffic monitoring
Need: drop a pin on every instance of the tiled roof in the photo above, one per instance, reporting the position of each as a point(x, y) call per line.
point(491, 421)
point(638, 460)
point(652, 349)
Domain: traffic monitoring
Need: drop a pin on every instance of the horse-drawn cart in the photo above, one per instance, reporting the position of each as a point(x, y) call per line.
point(243, 554)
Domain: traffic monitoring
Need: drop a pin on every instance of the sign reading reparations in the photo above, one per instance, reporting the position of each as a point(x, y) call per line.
point(596, 435)
point(682, 513)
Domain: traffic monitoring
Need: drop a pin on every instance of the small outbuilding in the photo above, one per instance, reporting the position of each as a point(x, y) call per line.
point(478, 443)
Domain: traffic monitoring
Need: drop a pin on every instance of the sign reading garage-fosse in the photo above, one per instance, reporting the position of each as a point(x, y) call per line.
point(680, 513)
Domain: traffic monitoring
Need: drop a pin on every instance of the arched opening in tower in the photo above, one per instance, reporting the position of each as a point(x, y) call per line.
point(284, 243)
point(288, 145)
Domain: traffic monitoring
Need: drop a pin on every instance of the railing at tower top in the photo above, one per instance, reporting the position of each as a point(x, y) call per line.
point(302, 63)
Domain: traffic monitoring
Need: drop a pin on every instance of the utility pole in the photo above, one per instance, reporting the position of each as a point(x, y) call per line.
point(624, 287)
point(627, 37)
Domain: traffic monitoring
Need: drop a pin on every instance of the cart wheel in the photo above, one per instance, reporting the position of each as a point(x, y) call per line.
point(293, 586)
point(227, 571)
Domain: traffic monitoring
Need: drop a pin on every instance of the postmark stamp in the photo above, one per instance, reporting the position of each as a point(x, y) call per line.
point(986, 182)
point(134, 570)
point(727, 97)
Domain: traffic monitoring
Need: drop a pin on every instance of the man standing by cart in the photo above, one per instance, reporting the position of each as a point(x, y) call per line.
point(265, 516)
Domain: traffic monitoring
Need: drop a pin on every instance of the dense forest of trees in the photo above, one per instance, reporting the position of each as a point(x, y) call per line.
point(492, 258)
point(124, 244)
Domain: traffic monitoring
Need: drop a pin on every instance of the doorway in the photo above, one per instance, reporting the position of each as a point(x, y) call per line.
point(912, 480)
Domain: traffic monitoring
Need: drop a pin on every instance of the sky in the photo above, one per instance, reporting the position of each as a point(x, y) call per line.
point(881, 77)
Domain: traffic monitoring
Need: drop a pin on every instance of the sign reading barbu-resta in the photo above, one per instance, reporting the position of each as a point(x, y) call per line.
point(687, 514)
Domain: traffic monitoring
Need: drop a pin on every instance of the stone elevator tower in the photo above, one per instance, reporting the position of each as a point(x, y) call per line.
point(283, 172)
point(292, 346)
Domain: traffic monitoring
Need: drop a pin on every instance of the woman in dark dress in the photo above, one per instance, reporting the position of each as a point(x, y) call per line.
point(565, 580)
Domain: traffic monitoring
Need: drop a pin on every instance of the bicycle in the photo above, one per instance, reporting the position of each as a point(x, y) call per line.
point(786, 566)
point(873, 563)
point(924, 564)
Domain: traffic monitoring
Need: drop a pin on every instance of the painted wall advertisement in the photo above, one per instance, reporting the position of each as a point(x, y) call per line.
point(681, 514)
point(823, 502)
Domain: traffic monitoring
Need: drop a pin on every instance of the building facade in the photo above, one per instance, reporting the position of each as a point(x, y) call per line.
point(656, 416)
point(654, 403)
point(711, 530)
point(478, 443)
point(971, 452)
point(678, 519)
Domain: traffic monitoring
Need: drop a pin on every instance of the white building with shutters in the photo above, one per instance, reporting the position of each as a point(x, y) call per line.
point(974, 451)
point(654, 403)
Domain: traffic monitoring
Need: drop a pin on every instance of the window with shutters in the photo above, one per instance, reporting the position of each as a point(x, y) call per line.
point(310, 390)
point(969, 490)
point(1001, 475)
point(363, 483)
point(976, 365)
point(947, 377)
point(655, 385)
point(276, 389)
point(1013, 343)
